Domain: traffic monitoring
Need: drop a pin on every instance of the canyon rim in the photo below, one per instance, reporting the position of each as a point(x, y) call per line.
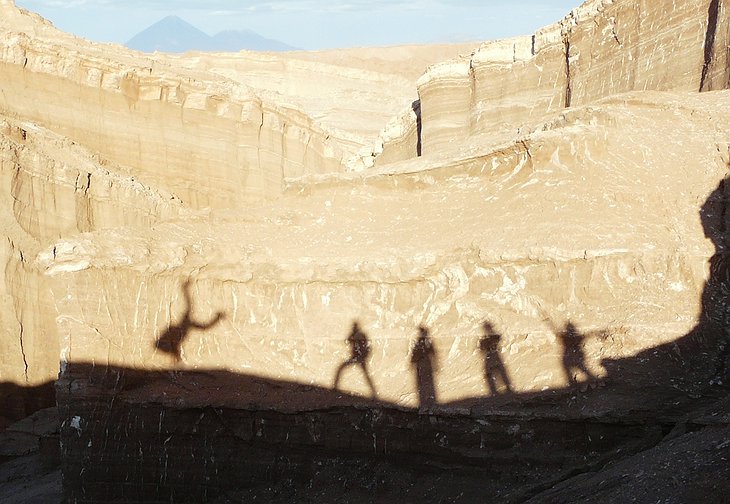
point(465, 273)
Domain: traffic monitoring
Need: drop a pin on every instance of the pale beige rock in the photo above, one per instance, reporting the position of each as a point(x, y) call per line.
point(166, 135)
point(586, 219)
point(202, 125)
point(49, 188)
point(602, 48)
point(293, 216)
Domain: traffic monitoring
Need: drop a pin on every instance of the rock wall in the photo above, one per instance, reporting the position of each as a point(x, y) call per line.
point(156, 457)
point(587, 222)
point(190, 342)
point(210, 142)
point(51, 188)
point(601, 48)
point(554, 240)
point(55, 188)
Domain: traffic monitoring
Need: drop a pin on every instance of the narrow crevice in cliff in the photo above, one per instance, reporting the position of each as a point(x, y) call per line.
point(473, 104)
point(525, 146)
point(568, 88)
point(22, 351)
point(713, 14)
point(416, 106)
point(258, 142)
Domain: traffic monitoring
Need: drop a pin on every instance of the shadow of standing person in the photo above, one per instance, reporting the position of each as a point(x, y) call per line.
point(359, 353)
point(422, 358)
point(574, 360)
point(714, 324)
point(170, 342)
point(495, 373)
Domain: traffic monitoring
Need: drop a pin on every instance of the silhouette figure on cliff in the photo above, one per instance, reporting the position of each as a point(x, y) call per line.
point(494, 370)
point(359, 353)
point(714, 324)
point(574, 360)
point(422, 358)
point(171, 340)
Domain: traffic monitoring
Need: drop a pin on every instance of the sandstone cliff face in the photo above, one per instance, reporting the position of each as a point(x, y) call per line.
point(51, 188)
point(98, 137)
point(601, 48)
point(199, 232)
point(594, 218)
point(210, 141)
point(190, 137)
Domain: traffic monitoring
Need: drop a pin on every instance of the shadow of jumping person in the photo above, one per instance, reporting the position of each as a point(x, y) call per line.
point(359, 353)
point(170, 342)
point(574, 360)
point(495, 374)
point(423, 356)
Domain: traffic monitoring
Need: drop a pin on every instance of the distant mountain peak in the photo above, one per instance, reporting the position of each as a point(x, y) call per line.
point(174, 34)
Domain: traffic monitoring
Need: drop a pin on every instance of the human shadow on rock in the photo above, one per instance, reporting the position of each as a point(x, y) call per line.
point(714, 325)
point(573, 359)
point(495, 373)
point(699, 358)
point(359, 355)
point(170, 342)
point(423, 357)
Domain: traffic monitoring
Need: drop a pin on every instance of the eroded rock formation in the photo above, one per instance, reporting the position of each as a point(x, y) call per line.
point(601, 48)
point(594, 218)
point(529, 238)
point(99, 137)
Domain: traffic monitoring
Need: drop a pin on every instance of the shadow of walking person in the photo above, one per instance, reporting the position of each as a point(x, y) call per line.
point(170, 342)
point(423, 356)
point(495, 374)
point(359, 353)
point(574, 360)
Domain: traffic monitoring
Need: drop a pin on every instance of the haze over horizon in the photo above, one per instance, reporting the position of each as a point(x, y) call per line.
point(311, 24)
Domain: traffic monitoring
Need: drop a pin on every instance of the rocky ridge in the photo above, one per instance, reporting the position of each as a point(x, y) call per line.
point(247, 266)
point(602, 48)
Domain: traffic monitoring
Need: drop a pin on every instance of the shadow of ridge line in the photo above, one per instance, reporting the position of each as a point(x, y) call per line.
point(18, 401)
point(226, 389)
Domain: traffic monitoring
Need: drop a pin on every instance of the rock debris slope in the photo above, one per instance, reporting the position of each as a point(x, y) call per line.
point(220, 237)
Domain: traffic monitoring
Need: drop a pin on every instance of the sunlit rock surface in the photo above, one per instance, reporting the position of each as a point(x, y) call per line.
point(593, 218)
point(346, 252)
point(97, 136)
point(217, 132)
point(601, 48)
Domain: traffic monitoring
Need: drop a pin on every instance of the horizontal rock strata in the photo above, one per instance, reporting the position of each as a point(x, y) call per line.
point(588, 220)
point(602, 48)
point(225, 260)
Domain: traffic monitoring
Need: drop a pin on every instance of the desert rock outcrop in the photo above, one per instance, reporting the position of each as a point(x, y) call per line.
point(601, 48)
point(588, 219)
point(222, 257)
point(100, 137)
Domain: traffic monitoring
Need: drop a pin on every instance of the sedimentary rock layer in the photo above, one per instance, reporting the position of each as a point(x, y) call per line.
point(211, 141)
point(98, 137)
point(188, 238)
point(52, 188)
point(594, 219)
point(601, 48)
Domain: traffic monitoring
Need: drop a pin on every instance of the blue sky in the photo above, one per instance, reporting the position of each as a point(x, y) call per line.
point(311, 24)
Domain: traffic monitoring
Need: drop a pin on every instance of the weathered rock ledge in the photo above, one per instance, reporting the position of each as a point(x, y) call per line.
point(602, 48)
